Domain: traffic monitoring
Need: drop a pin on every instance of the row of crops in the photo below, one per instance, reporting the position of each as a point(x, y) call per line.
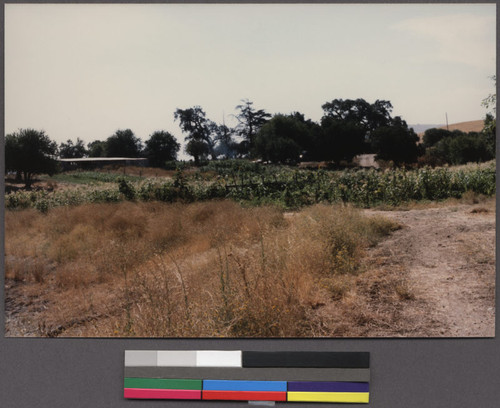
point(287, 187)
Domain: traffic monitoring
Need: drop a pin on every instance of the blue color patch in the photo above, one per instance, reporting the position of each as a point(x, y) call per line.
point(236, 385)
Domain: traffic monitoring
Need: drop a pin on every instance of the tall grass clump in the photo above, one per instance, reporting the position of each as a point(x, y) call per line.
point(343, 233)
point(259, 274)
point(200, 269)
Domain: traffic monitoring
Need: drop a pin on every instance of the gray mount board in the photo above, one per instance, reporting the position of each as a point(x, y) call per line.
point(264, 374)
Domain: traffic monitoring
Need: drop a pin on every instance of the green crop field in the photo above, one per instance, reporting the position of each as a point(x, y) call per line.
point(257, 184)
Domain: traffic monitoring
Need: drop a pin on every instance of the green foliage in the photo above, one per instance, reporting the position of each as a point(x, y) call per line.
point(97, 148)
point(281, 139)
point(339, 140)
point(250, 120)
point(44, 200)
point(161, 147)
point(395, 142)
point(126, 188)
point(461, 148)
point(91, 177)
point(175, 164)
point(254, 184)
point(197, 127)
point(70, 150)
point(29, 152)
point(471, 147)
point(234, 167)
point(199, 149)
point(490, 123)
point(490, 102)
point(360, 112)
point(123, 144)
point(434, 135)
point(490, 133)
point(347, 127)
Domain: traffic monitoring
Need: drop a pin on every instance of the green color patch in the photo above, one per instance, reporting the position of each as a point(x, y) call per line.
point(163, 383)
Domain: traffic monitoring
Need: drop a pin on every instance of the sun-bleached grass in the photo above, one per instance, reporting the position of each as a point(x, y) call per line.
point(203, 269)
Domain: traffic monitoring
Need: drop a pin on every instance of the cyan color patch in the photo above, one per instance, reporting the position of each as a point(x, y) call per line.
point(235, 385)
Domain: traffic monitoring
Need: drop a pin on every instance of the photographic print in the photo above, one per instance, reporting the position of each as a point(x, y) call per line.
point(250, 170)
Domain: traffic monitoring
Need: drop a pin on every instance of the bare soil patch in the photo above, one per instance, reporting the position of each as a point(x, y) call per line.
point(448, 255)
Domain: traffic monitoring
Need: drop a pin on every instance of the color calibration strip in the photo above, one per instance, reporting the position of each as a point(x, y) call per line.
point(331, 377)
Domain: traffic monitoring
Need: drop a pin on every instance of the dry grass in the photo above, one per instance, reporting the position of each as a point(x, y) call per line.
point(204, 269)
point(470, 126)
point(468, 198)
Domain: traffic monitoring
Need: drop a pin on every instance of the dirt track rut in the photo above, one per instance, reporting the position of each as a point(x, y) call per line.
point(449, 254)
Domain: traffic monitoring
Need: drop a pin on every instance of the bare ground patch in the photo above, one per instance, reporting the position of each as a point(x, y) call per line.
point(447, 256)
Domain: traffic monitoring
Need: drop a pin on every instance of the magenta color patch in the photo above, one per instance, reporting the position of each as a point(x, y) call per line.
point(142, 393)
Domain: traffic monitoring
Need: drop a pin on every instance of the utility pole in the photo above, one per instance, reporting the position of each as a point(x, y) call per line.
point(446, 113)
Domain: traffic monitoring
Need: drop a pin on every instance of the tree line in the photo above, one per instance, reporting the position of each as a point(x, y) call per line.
point(347, 128)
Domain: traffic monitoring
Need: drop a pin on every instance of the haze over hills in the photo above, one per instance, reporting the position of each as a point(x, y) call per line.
point(422, 128)
point(469, 126)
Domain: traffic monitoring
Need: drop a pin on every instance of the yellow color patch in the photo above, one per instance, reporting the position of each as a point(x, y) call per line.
point(357, 397)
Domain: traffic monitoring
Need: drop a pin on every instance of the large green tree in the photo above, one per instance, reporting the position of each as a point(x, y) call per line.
point(250, 120)
point(97, 148)
point(396, 142)
point(160, 148)
point(281, 139)
point(70, 150)
point(461, 148)
point(123, 143)
point(194, 123)
point(340, 139)
point(434, 135)
point(29, 152)
point(360, 113)
point(310, 143)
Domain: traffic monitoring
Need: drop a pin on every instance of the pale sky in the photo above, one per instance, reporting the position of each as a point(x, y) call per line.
point(82, 70)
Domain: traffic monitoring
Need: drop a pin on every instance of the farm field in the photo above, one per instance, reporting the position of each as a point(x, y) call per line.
point(253, 252)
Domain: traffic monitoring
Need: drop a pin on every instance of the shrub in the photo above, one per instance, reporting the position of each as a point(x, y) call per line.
point(126, 189)
point(463, 148)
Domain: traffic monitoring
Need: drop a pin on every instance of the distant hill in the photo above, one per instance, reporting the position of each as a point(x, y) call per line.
point(422, 128)
point(470, 126)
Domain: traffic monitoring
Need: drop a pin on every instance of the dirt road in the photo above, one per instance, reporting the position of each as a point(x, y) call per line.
point(448, 254)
